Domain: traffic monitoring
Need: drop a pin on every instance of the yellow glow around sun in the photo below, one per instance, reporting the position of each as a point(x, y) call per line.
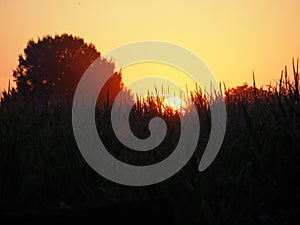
point(177, 104)
point(174, 102)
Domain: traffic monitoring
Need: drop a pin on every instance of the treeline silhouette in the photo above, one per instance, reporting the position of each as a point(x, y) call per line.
point(253, 180)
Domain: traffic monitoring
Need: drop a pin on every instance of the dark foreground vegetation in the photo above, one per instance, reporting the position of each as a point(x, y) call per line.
point(253, 180)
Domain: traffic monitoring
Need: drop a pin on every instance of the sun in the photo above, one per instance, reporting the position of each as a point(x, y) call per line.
point(175, 103)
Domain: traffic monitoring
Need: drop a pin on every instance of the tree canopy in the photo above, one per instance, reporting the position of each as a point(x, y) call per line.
point(52, 67)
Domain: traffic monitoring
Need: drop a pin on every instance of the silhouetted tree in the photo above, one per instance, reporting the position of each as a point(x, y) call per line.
point(52, 67)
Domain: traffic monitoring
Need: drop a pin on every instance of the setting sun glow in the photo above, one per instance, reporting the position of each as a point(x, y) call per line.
point(232, 37)
point(175, 103)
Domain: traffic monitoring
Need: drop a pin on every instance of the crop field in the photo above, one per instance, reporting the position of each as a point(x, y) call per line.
point(253, 180)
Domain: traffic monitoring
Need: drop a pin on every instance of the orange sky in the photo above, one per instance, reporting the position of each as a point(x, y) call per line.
point(232, 37)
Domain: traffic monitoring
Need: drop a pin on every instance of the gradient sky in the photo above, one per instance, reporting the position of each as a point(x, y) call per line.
point(232, 37)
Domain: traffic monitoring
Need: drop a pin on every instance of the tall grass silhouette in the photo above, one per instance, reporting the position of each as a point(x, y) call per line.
point(254, 179)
